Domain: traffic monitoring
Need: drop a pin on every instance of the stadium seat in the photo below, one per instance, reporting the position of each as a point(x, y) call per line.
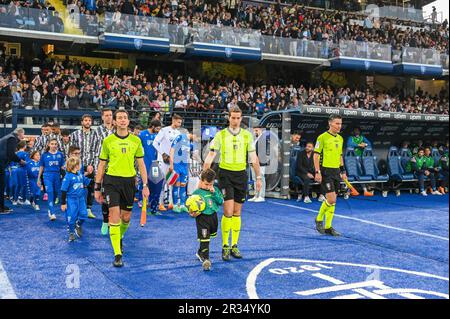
point(436, 156)
point(370, 168)
point(404, 157)
point(296, 180)
point(395, 168)
point(353, 167)
point(208, 132)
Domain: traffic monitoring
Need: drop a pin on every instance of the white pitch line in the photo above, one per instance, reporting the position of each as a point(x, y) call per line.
point(403, 291)
point(368, 222)
point(362, 284)
point(253, 275)
point(352, 296)
point(328, 278)
point(368, 294)
point(6, 289)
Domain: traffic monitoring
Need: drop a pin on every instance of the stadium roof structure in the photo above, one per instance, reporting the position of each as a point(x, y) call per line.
point(402, 2)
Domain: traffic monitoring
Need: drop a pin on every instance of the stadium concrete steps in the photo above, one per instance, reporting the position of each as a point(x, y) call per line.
point(69, 26)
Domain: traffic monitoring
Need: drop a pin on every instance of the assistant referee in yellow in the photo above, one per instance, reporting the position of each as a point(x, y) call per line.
point(120, 150)
point(329, 166)
point(236, 148)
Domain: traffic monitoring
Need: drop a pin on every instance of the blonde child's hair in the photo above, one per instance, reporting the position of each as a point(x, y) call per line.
point(72, 162)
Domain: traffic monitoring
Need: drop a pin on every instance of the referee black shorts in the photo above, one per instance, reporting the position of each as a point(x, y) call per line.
point(206, 226)
point(331, 179)
point(119, 191)
point(233, 185)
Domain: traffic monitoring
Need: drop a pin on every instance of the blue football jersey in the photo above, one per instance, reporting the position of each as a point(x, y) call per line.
point(74, 184)
point(52, 163)
point(25, 156)
point(183, 148)
point(33, 169)
point(150, 153)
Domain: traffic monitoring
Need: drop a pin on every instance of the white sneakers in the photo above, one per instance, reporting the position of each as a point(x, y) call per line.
point(51, 216)
point(436, 192)
point(257, 199)
point(20, 202)
point(307, 200)
point(35, 206)
point(321, 198)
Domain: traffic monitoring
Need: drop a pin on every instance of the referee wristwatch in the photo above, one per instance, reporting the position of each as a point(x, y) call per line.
point(144, 185)
point(318, 173)
point(258, 177)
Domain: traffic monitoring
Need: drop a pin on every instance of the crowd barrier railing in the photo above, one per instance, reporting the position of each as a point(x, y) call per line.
point(135, 25)
point(363, 50)
point(224, 35)
point(295, 47)
point(421, 56)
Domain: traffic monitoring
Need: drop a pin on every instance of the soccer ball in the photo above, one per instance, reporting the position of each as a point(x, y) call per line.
point(195, 204)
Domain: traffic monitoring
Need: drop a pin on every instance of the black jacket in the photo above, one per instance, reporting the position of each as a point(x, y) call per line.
point(85, 100)
point(57, 98)
point(8, 146)
point(73, 103)
point(305, 165)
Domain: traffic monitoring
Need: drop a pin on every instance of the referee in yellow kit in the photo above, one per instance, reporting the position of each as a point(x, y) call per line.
point(236, 148)
point(329, 166)
point(120, 150)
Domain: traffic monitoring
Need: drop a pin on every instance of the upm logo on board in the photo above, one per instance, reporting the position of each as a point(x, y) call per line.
point(228, 52)
point(138, 44)
point(313, 279)
point(423, 69)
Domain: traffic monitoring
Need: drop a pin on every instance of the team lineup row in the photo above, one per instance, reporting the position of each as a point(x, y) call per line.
point(162, 157)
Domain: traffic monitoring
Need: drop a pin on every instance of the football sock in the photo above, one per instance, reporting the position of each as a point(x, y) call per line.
point(114, 234)
point(236, 229)
point(226, 228)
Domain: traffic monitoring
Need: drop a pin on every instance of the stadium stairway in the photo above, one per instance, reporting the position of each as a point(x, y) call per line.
point(69, 26)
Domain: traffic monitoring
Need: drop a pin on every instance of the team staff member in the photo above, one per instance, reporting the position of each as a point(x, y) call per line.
point(443, 162)
point(120, 150)
point(233, 144)
point(359, 143)
point(329, 166)
point(305, 170)
point(8, 146)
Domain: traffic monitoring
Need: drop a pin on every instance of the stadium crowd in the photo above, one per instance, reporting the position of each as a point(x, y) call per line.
point(20, 14)
point(296, 21)
point(70, 84)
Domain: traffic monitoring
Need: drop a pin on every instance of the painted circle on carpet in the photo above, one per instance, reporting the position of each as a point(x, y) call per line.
point(311, 279)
